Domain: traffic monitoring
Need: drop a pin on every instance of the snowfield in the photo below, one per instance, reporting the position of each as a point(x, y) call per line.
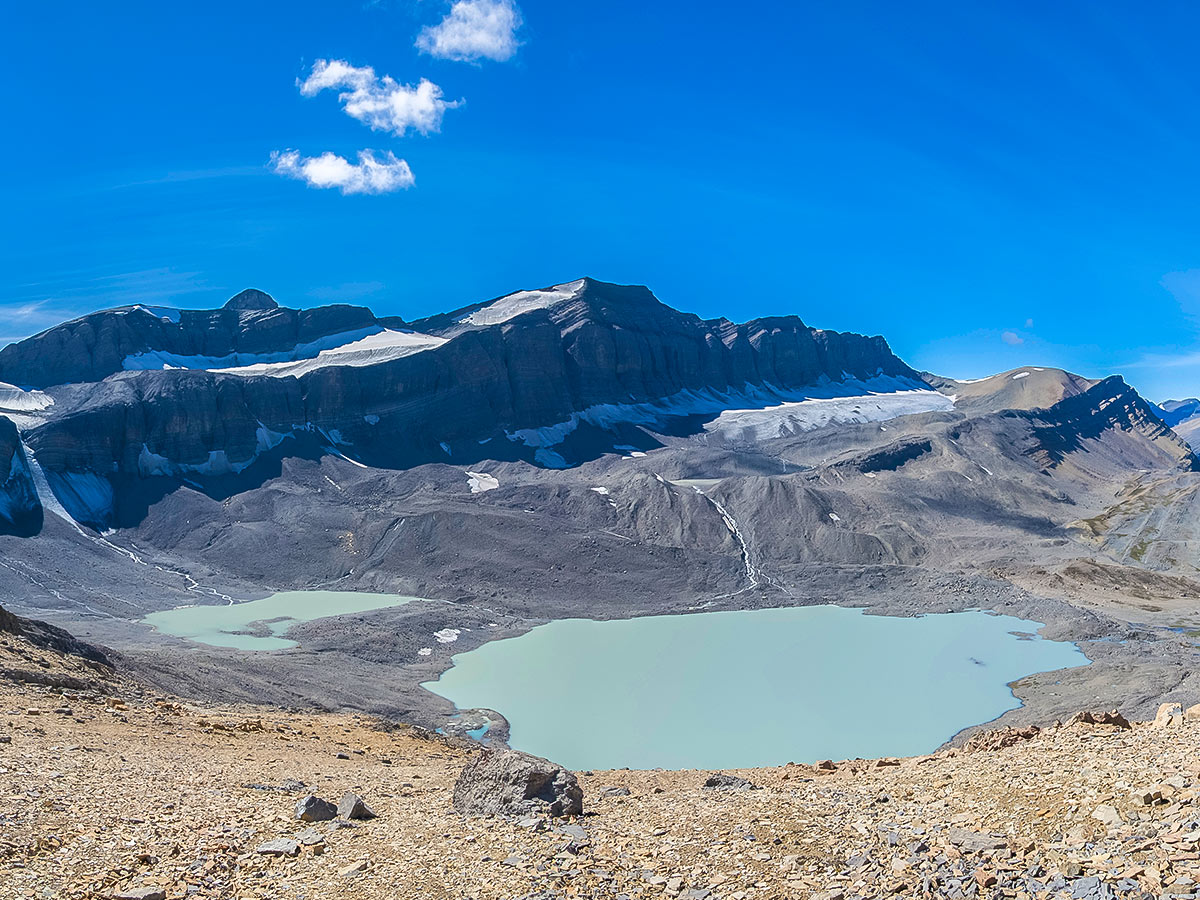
point(755, 412)
point(499, 311)
point(481, 482)
point(14, 399)
point(362, 347)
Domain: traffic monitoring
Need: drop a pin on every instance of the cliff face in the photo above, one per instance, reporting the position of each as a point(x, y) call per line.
point(1109, 404)
point(489, 370)
point(96, 346)
point(20, 509)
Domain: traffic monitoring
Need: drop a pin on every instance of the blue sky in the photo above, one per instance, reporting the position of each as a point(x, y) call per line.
point(988, 185)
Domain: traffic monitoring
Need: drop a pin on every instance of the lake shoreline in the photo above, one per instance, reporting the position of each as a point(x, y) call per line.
point(369, 663)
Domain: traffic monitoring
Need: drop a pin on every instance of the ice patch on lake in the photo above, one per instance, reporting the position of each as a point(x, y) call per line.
point(499, 311)
point(481, 482)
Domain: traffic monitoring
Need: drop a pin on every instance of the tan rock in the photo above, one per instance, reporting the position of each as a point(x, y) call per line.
point(1168, 714)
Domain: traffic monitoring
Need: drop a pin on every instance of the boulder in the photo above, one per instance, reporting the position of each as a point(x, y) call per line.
point(721, 781)
point(975, 841)
point(512, 783)
point(1168, 714)
point(352, 806)
point(1107, 815)
point(142, 893)
point(614, 791)
point(314, 809)
point(279, 847)
point(1192, 713)
point(1087, 717)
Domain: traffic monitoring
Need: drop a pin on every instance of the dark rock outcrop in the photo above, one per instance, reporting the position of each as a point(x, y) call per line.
point(512, 783)
point(723, 782)
point(352, 806)
point(20, 508)
point(315, 809)
point(50, 637)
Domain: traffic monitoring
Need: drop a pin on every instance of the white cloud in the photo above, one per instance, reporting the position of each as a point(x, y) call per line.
point(1011, 337)
point(382, 103)
point(372, 175)
point(474, 30)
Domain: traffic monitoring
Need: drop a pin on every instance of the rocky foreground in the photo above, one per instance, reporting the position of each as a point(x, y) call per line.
point(107, 791)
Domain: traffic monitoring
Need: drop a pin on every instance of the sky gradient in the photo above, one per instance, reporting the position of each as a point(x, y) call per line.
point(987, 185)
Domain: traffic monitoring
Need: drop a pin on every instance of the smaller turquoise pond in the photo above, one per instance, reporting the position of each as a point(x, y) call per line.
point(258, 624)
point(751, 688)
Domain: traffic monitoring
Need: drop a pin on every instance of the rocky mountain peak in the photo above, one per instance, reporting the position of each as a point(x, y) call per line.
point(251, 299)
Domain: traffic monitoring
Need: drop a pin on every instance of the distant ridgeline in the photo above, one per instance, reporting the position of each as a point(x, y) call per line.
point(118, 398)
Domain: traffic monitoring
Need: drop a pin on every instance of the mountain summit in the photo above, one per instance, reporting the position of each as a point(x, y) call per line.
point(251, 299)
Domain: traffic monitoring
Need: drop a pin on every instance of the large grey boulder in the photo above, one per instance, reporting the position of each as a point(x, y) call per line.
point(512, 783)
point(315, 809)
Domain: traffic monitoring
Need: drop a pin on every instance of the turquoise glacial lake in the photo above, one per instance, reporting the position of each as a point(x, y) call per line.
point(259, 624)
point(752, 688)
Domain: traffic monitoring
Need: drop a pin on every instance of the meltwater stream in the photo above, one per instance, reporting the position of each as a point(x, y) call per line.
point(750, 688)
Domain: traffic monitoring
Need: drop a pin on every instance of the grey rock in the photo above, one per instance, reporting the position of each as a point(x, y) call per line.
point(279, 847)
point(352, 806)
point(142, 893)
point(512, 783)
point(314, 809)
point(612, 791)
point(572, 831)
point(721, 781)
point(975, 841)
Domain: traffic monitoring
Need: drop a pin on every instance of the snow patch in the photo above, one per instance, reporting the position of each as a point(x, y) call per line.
point(369, 351)
point(361, 347)
point(447, 635)
point(835, 517)
point(976, 380)
point(1020, 375)
point(600, 490)
point(166, 313)
point(521, 302)
point(14, 399)
point(755, 412)
point(481, 482)
point(425, 651)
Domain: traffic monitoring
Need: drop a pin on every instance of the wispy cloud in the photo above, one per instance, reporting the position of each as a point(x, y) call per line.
point(1185, 287)
point(381, 103)
point(371, 175)
point(27, 309)
point(350, 290)
point(1166, 360)
point(1012, 338)
point(474, 30)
